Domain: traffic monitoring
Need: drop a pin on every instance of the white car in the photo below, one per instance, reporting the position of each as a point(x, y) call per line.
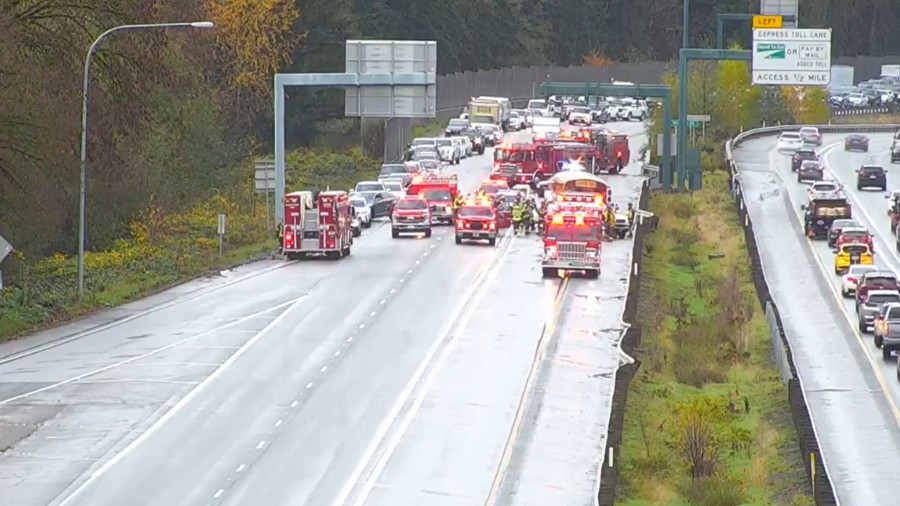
point(826, 190)
point(467, 147)
point(857, 100)
point(849, 280)
point(811, 135)
point(395, 187)
point(789, 141)
point(363, 211)
point(891, 200)
point(515, 122)
point(538, 107)
point(448, 150)
point(580, 116)
point(638, 110)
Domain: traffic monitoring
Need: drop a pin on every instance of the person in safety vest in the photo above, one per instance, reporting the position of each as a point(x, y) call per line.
point(630, 213)
point(457, 202)
point(518, 214)
point(279, 235)
point(610, 222)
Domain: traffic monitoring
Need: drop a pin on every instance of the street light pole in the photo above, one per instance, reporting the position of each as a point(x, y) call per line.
point(84, 119)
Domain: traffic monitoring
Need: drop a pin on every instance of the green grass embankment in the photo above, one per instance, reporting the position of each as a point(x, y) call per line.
point(707, 419)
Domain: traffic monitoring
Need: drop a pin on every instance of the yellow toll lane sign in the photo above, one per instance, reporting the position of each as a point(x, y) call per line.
point(768, 22)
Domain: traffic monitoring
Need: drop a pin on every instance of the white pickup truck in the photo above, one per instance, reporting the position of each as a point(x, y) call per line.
point(543, 125)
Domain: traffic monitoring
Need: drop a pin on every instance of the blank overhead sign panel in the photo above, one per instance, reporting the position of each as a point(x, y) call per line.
point(792, 57)
point(781, 8)
point(391, 57)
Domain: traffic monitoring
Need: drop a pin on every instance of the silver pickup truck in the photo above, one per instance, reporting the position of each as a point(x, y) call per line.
point(887, 329)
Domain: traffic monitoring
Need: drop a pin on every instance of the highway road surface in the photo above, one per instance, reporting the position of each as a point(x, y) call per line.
point(321, 382)
point(852, 392)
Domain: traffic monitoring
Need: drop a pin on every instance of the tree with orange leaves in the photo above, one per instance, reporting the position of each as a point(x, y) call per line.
point(256, 38)
point(596, 59)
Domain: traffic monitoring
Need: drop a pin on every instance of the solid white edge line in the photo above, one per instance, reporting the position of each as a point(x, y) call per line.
point(183, 402)
point(525, 396)
point(121, 321)
point(382, 432)
point(142, 356)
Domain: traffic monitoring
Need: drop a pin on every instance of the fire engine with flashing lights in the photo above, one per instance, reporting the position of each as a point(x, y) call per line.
point(317, 226)
point(612, 149)
point(476, 220)
point(572, 242)
point(411, 214)
point(440, 192)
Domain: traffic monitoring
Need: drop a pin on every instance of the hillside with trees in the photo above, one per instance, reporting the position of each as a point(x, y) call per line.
point(176, 115)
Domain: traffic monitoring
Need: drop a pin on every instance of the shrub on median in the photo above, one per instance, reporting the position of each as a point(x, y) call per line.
point(163, 247)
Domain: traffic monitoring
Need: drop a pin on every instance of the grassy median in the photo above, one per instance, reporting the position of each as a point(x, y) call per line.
point(707, 420)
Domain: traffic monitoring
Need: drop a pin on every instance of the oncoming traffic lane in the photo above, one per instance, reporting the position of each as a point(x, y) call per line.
point(847, 393)
point(838, 164)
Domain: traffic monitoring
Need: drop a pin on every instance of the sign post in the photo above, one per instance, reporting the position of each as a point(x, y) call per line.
point(792, 57)
point(5, 249)
point(264, 182)
point(702, 119)
point(220, 229)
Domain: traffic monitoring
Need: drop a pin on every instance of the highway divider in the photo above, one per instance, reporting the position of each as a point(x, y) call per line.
point(816, 466)
point(631, 339)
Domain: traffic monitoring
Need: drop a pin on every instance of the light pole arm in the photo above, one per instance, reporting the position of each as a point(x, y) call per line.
point(84, 130)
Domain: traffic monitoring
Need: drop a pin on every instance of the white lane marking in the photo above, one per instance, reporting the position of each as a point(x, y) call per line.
point(240, 468)
point(151, 353)
point(383, 301)
point(525, 396)
point(294, 404)
point(350, 339)
point(417, 263)
point(372, 313)
point(219, 493)
point(180, 300)
point(337, 353)
point(446, 338)
point(260, 445)
point(278, 423)
point(184, 400)
point(324, 368)
point(879, 375)
point(402, 280)
point(393, 290)
point(308, 386)
point(362, 325)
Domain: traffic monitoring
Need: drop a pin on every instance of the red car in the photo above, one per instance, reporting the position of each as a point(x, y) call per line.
point(855, 235)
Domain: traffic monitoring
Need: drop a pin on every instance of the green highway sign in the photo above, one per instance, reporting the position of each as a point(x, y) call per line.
point(690, 124)
point(770, 51)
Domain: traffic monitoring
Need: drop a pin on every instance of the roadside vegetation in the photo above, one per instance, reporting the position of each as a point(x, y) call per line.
point(707, 421)
point(875, 119)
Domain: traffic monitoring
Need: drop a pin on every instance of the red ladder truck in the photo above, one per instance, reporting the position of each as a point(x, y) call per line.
point(317, 225)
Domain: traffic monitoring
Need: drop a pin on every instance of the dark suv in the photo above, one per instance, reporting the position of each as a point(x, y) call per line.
point(802, 155)
point(871, 176)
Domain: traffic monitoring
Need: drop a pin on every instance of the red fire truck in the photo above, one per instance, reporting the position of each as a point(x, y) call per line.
point(439, 192)
point(476, 220)
point(319, 225)
point(532, 163)
point(572, 242)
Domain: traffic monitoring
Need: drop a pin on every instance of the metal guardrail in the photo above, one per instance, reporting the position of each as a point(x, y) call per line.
point(864, 111)
point(809, 439)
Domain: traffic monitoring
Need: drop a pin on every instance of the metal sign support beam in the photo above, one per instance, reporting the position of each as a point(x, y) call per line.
point(684, 56)
point(722, 18)
point(330, 80)
point(660, 91)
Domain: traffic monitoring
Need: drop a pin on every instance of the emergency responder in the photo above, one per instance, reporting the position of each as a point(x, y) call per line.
point(610, 222)
point(630, 213)
point(279, 235)
point(457, 202)
point(518, 214)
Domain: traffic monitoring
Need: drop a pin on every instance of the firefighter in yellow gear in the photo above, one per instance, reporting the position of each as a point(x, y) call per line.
point(458, 202)
point(518, 216)
point(279, 235)
point(610, 222)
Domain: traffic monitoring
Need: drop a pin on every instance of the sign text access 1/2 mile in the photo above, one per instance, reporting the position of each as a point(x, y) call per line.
point(792, 57)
